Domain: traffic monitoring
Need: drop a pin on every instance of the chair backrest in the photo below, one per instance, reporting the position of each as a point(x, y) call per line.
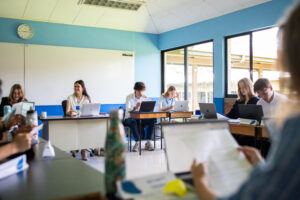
point(64, 106)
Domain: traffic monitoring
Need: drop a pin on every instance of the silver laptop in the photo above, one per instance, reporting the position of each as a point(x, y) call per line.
point(181, 106)
point(179, 157)
point(91, 109)
point(208, 110)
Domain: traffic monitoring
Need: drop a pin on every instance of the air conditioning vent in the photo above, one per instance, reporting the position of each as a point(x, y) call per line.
point(133, 5)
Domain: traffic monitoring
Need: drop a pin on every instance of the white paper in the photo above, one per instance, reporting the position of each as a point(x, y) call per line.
point(150, 187)
point(227, 167)
point(13, 166)
point(36, 129)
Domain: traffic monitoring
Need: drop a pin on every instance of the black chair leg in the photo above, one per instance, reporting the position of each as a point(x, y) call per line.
point(154, 136)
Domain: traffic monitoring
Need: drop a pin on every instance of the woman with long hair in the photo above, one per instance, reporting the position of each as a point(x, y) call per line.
point(16, 95)
point(167, 99)
point(74, 105)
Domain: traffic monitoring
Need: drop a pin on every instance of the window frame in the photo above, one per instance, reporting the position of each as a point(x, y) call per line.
point(185, 48)
point(250, 33)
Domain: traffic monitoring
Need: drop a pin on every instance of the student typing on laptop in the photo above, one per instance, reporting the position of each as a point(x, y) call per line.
point(167, 99)
point(133, 103)
point(74, 105)
point(278, 177)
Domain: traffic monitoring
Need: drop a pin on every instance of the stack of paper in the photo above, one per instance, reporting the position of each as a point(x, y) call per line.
point(227, 167)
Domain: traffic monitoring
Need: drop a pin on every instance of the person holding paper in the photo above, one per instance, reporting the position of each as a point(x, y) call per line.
point(133, 103)
point(16, 95)
point(246, 95)
point(278, 177)
point(74, 105)
point(167, 99)
point(270, 99)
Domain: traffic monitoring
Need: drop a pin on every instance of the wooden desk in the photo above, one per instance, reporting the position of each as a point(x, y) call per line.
point(71, 133)
point(173, 115)
point(243, 129)
point(52, 178)
point(148, 115)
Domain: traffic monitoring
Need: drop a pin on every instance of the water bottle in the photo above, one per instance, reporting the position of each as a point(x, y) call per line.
point(78, 109)
point(6, 109)
point(32, 119)
point(115, 169)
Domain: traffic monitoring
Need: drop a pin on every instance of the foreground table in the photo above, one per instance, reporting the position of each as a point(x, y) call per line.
point(55, 178)
point(71, 133)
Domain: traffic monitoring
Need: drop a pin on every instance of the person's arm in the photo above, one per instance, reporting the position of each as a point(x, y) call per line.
point(129, 106)
point(69, 112)
point(252, 155)
point(233, 113)
point(199, 173)
point(21, 143)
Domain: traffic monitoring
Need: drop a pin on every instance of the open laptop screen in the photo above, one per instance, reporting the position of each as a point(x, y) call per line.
point(179, 157)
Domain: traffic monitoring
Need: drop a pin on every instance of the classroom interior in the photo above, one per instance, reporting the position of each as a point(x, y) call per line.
point(202, 48)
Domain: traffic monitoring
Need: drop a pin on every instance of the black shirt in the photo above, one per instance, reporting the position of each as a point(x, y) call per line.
point(5, 102)
point(234, 112)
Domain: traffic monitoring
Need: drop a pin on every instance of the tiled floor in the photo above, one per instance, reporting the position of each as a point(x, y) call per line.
point(150, 162)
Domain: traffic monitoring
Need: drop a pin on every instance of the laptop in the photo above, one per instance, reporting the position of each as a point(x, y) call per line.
point(181, 106)
point(147, 106)
point(208, 110)
point(179, 157)
point(251, 111)
point(91, 109)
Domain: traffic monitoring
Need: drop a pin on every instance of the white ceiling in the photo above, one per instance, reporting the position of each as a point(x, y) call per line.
point(154, 16)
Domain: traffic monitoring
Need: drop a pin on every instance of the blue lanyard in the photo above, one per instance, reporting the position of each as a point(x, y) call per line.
point(167, 101)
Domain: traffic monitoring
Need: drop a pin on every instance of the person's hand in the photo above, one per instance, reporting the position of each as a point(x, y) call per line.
point(24, 129)
point(137, 105)
point(171, 107)
point(15, 120)
point(252, 155)
point(22, 142)
point(144, 96)
point(72, 113)
point(199, 172)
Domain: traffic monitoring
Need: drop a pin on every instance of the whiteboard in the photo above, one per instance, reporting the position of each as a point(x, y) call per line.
point(50, 73)
point(11, 65)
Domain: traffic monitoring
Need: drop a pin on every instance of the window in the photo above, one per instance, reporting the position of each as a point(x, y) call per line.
point(190, 70)
point(252, 55)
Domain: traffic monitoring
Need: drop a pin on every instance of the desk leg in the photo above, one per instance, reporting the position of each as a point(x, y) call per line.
point(161, 135)
point(46, 130)
point(140, 137)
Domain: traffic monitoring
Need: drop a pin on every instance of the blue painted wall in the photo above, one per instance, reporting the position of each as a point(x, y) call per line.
point(253, 18)
point(145, 46)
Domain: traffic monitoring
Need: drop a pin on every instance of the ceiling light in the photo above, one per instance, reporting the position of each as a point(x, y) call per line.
point(133, 5)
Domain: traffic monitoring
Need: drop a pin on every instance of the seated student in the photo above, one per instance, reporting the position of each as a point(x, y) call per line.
point(78, 98)
point(269, 99)
point(133, 103)
point(167, 99)
point(21, 142)
point(278, 177)
point(16, 95)
point(245, 96)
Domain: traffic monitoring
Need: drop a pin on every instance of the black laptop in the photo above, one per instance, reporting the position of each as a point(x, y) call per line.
point(251, 111)
point(147, 106)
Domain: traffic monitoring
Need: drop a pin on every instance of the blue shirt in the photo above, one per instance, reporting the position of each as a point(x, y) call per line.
point(279, 177)
point(166, 102)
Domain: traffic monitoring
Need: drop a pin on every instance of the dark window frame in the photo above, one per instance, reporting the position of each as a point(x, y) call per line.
point(185, 48)
point(250, 33)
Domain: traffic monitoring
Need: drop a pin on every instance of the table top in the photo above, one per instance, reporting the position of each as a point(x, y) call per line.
point(60, 177)
point(62, 117)
point(148, 115)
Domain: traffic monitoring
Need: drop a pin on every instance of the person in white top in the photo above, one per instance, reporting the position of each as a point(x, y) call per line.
point(74, 105)
point(269, 99)
point(167, 99)
point(133, 103)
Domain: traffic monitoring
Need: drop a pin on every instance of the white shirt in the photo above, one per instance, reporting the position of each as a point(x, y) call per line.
point(131, 101)
point(74, 102)
point(166, 102)
point(269, 109)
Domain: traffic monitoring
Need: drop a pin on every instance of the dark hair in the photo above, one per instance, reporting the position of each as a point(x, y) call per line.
point(290, 51)
point(139, 86)
point(0, 87)
point(84, 92)
point(261, 84)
